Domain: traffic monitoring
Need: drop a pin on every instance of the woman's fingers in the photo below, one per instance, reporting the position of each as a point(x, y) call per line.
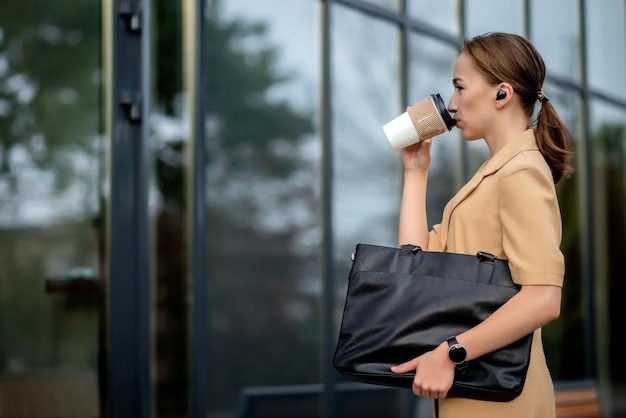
point(405, 367)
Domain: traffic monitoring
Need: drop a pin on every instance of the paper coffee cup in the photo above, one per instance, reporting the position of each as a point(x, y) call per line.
point(426, 119)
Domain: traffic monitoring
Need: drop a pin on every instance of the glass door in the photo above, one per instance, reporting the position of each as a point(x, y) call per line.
point(51, 224)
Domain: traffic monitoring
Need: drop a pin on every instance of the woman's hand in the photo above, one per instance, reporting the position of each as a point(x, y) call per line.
point(434, 373)
point(417, 156)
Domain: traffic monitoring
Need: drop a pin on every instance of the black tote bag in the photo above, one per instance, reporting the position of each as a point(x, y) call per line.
point(403, 302)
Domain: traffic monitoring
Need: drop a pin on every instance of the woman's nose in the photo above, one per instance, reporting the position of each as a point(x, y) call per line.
point(451, 106)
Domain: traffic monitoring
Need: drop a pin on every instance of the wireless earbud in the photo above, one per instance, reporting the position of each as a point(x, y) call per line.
point(501, 95)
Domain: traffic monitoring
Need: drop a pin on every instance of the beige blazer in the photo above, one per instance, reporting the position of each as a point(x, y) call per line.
point(509, 209)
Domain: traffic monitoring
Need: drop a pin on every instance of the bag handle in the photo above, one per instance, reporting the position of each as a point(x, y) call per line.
point(486, 266)
point(407, 251)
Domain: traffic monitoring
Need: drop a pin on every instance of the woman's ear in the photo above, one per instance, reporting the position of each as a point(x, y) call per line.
point(504, 93)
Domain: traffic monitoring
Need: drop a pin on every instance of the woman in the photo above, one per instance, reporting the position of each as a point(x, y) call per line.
point(509, 208)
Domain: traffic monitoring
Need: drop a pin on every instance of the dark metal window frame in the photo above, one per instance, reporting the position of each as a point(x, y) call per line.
point(127, 98)
point(196, 69)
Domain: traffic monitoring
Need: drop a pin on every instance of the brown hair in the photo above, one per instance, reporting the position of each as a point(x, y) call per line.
point(504, 57)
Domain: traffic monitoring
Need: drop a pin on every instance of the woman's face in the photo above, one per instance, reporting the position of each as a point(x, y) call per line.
point(473, 101)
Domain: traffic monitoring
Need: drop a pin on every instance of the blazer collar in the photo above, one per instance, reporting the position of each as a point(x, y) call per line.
point(525, 142)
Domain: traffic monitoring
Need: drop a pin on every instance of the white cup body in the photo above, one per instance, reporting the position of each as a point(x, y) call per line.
point(401, 132)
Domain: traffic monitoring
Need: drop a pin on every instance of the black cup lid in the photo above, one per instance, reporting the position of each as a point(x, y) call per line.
point(445, 115)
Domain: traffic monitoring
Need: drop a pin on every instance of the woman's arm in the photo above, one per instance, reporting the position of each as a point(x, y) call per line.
point(533, 307)
point(413, 225)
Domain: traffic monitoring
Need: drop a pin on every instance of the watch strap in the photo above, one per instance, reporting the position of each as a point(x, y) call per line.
point(453, 344)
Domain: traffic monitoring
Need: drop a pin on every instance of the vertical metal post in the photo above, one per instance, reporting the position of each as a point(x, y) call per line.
point(194, 70)
point(588, 242)
point(127, 97)
point(465, 157)
point(404, 57)
point(527, 23)
point(327, 248)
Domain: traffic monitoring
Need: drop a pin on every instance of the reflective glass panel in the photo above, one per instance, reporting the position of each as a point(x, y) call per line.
point(52, 348)
point(263, 230)
point(606, 43)
point(564, 339)
point(442, 14)
point(558, 40)
point(169, 214)
point(366, 170)
point(365, 96)
point(609, 213)
point(494, 15)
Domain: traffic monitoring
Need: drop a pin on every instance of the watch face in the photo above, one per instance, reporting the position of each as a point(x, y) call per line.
point(457, 354)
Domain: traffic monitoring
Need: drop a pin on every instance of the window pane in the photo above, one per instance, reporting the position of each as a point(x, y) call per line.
point(51, 226)
point(606, 43)
point(365, 96)
point(564, 339)
point(558, 40)
point(609, 212)
point(263, 229)
point(169, 212)
point(442, 14)
point(494, 15)
point(431, 64)
point(367, 175)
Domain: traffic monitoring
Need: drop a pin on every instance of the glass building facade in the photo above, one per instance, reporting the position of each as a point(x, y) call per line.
point(182, 184)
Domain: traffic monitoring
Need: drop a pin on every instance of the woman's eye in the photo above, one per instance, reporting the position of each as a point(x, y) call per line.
point(458, 88)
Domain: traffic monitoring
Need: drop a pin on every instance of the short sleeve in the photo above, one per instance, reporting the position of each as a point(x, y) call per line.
point(531, 222)
point(434, 239)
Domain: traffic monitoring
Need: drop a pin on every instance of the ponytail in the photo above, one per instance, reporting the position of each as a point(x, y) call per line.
point(553, 140)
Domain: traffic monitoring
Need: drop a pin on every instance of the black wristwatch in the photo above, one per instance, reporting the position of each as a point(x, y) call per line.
point(457, 353)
